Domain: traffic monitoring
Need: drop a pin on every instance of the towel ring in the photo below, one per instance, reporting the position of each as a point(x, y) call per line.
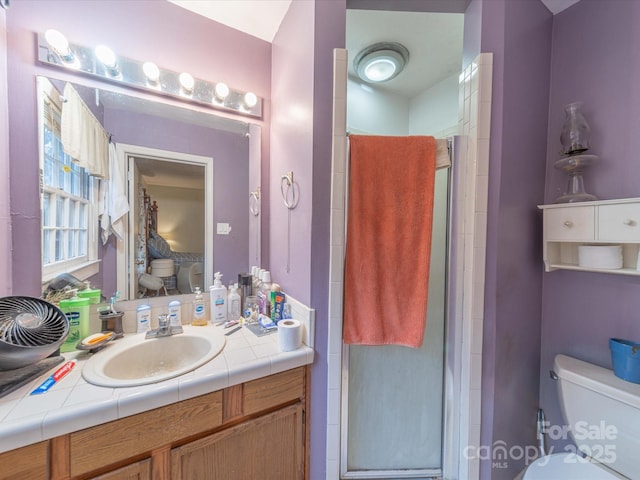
point(254, 202)
point(291, 190)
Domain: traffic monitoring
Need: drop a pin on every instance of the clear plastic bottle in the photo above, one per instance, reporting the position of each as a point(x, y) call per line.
point(255, 273)
point(264, 294)
point(218, 297)
point(234, 303)
point(199, 310)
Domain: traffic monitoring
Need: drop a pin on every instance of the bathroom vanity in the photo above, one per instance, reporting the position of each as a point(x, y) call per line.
point(252, 430)
point(568, 226)
point(240, 416)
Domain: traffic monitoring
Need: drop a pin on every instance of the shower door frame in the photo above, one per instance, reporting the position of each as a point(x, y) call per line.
point(451, 401)
point(465, 309)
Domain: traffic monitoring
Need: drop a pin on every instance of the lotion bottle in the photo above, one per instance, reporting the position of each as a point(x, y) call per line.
point(199, 310)
point(174, 313)
point(143, 317)
point(218, 295)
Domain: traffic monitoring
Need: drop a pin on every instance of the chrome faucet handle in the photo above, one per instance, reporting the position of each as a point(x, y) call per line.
point(163, 323)
point(164, 328)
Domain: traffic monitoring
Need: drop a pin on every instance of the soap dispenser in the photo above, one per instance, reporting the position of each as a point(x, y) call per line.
point(218, 295)
point(199, 310)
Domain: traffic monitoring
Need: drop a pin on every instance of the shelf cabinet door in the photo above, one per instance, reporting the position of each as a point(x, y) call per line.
point(575, 224)
point(268, 447)
point(619, 223)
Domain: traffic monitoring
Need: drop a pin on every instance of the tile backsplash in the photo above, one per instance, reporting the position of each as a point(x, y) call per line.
point(160, 305)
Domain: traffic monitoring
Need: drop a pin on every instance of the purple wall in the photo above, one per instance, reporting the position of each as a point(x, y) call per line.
point(519, 35)
point(330, 32)
point(581, 311)
point(244, 62)
point(302, 132)
point(292, 127)
point(5, 218)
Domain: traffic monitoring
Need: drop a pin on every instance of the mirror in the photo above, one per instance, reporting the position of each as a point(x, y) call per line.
point(191, 180)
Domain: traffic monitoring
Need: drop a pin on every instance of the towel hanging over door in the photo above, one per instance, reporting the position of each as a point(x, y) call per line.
point(388, 245)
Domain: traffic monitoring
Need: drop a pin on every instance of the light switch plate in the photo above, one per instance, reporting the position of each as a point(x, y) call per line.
point(223, 229)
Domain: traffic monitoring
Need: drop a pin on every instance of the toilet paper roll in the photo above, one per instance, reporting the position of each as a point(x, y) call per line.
point(289, 335)
point(600, 256)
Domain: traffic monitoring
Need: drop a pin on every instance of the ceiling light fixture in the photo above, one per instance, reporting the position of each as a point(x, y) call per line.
point(381, 62)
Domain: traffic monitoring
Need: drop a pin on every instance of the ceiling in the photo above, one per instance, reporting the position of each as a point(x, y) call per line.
point(556, 6)
point(260, 18)
point(434, 40)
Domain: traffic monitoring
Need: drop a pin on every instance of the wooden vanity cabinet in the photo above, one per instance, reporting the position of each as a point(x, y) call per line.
point(252, 430)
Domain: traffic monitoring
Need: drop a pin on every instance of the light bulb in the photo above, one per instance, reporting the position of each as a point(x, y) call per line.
point(250, 99)
point(60, 44)
point(380, 69)
point(151, 71)
point(222, 90)
point(106, 56)
point(187, 81)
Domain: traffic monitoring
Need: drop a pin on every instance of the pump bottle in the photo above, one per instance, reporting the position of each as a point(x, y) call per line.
point(218, 295)
point(199, 310)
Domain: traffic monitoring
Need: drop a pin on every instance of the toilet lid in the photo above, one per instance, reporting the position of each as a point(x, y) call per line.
point(567, 466)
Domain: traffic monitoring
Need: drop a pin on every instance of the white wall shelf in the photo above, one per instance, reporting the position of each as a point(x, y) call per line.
point(567, 226)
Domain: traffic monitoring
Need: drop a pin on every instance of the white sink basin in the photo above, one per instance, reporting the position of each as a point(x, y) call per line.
point(133, 361)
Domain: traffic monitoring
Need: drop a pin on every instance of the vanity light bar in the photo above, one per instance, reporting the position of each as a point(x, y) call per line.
point(147, 76)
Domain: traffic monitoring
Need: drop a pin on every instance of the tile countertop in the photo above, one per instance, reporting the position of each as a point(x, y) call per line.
point(73, 404)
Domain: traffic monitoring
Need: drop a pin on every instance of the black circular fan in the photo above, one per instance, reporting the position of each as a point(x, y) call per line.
point(30, 330)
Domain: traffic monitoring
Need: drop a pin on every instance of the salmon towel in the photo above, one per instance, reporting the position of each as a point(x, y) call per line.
point(388, 251)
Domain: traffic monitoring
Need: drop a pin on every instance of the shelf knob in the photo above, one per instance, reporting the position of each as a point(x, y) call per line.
point(629, 222)
point(568, 223)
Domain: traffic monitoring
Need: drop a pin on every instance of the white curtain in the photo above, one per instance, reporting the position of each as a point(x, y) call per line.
point(82, 135)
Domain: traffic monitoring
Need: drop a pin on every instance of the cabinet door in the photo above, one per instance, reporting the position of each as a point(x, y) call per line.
point(619, 223)
point(570, 224)
point(136, 471)
point(269, 447)
point(28, 463)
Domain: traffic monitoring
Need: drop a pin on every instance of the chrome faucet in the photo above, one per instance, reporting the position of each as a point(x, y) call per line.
point(165, 329)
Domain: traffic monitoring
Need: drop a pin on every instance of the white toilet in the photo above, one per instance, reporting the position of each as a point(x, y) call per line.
point(604, 414)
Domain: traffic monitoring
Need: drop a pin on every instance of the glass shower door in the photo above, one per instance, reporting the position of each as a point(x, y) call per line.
point(393, 395)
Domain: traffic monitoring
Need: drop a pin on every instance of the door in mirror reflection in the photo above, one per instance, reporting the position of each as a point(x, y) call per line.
point(168, 232)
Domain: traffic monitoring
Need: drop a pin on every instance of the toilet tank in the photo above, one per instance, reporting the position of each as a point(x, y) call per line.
point(603, 413)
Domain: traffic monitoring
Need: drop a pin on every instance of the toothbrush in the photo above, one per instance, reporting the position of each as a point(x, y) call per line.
point(112, 303)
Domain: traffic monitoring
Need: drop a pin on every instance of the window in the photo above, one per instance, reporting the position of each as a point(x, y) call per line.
point(69, 219)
